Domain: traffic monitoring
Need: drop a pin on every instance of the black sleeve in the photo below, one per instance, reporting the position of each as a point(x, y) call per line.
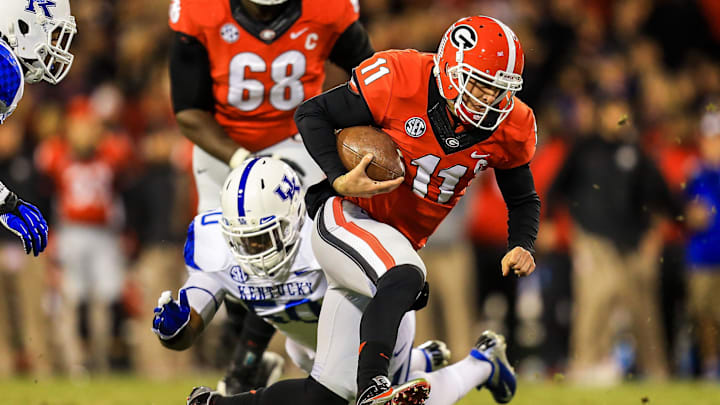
point(561, 186)
point(352, 47)
point(190, 79)
point(318, 118)
point(518, 191)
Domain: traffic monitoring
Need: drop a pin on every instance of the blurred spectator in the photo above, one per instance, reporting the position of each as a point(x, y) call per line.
point(496, 296)
point(84, 165)
point(703, 253)
point(17, 271)
point(156, 206)
point(451, 314)
point(613, 190)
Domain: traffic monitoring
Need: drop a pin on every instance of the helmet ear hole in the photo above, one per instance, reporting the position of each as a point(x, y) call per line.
point(24, 27)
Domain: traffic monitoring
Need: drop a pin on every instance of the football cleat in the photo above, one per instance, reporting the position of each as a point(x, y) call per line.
point(242, 379)
point(502, 381)
point(437, 354)
point(380, 392)
point(201, 396)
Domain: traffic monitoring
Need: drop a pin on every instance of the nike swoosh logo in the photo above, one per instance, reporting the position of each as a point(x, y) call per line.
point(476, 155)
point(399, 351)
point(296, 35)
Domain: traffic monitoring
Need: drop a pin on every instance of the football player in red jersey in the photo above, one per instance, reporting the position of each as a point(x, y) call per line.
point(451, 115)
point(238, 70)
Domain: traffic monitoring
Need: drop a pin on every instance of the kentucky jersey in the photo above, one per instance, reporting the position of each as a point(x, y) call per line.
point(401, 92)
point(293, 305)
point(262, 73)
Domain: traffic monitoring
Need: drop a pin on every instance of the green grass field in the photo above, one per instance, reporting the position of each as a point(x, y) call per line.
point(133, 391)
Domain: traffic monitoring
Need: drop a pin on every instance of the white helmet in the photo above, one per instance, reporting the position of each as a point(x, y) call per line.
point(262, 214)
point(40, 33)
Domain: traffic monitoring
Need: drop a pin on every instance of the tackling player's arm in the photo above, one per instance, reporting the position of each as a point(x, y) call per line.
point(523, 204)
point(193, 100)
point(176, 324)
point(24, 220)
point(187, 335)
point(317, 120)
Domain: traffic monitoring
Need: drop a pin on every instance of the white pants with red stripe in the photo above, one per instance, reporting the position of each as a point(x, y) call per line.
point(210, 172)
point(354, 250)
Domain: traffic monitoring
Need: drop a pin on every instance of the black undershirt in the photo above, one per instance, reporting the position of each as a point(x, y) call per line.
point(340, 107)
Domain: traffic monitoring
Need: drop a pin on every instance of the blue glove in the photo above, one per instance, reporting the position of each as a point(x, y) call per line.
point(26, 221)
point(171, 316)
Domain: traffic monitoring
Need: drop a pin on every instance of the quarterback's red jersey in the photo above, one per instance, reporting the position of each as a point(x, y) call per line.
point(258, 85)
point(396, 87)
point(85, 187)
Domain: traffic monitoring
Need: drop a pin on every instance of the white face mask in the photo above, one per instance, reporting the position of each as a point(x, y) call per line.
point(40, 33)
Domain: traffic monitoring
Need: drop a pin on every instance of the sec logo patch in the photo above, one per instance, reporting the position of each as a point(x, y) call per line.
point(415, 127)
point(229, 33)
point(237, 274)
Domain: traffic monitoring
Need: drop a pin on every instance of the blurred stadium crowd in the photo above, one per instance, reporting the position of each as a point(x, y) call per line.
point(624, 284)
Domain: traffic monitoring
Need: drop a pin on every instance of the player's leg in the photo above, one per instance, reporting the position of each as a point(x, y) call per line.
point(485, 366)
point(304, 391)
point(303, 357)
point(293, 152)
point(250, 366)
point(75, 287)
point(369, 259)
point(210, 173)
point(429, 356)
point(107, 265)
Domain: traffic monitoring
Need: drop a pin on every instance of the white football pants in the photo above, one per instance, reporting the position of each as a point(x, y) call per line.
point(210, 172)
point(354, 250)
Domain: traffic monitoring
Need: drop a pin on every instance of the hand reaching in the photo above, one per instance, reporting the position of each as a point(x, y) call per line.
point(171, 316)
point(26, 221)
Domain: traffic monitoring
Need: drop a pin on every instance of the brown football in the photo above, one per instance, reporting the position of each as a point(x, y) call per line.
point(355, 142)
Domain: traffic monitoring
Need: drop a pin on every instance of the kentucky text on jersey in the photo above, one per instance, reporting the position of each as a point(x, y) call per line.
point(272, 292)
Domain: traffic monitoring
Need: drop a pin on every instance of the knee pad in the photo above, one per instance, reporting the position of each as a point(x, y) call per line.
point(401, 284)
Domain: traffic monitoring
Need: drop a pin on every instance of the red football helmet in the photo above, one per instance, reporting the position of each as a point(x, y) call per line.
point(480, 50)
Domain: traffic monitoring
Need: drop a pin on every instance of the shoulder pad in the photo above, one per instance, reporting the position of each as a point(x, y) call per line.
point(191, 16)
point(205, 248)
point(520, 135)
point(386, 74)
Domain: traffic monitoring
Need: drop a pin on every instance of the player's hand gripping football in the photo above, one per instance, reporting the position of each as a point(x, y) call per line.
point(356, 183)
point(171, 316)
point(518, 260)
point(26, 221)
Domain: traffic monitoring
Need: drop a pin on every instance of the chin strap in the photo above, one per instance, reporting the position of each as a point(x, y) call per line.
point(35, 72)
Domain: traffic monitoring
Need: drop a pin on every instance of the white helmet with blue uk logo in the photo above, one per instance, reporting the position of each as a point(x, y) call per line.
point(11, 81)
point(262, 214)
point(40, 33)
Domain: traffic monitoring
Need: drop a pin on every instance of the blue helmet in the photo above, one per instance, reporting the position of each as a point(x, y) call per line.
point(11, 81)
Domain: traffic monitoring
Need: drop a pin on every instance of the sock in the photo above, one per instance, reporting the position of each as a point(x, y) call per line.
point(420, 361)
point(448, 385)
point(397, 291)
point(305, 391)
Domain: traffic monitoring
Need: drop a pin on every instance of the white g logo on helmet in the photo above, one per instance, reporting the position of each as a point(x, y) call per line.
point(262, 214)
